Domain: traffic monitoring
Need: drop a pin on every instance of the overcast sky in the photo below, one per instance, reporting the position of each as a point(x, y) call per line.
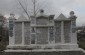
point(53, 6)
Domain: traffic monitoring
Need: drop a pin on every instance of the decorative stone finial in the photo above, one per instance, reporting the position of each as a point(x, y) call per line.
point(72, 16)
point(12, 15)
point(72, 13)
point(41, 11)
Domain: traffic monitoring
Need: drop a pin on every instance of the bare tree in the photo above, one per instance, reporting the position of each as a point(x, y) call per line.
point(31, 7)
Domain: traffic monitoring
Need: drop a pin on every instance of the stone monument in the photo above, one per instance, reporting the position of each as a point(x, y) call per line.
point(42, 34)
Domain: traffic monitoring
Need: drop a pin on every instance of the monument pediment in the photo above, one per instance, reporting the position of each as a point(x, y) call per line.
point(22, 18)
point(61, 17)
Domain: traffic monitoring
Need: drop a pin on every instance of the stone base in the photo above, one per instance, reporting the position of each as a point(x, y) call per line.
point(31, 47)
point(44, 52)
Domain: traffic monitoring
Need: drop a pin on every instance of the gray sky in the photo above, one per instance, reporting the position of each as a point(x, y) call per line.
point(52, 6)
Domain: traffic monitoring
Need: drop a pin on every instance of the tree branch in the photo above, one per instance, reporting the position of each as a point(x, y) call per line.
point(24, 9)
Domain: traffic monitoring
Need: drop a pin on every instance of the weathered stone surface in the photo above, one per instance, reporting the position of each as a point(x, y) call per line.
point(42, 21)
point(33, 20)
point(51, 35)
point(33, 38)
point(42, 35)
point(67, 27)
point(57, 32)
point(27, 33)
point(18, 33)
point(73, 26)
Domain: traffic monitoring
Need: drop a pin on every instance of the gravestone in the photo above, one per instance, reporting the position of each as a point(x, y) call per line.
point(44, 35)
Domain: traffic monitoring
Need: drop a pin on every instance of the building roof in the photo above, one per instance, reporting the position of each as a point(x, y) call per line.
point(22, 18)
point(61, 17)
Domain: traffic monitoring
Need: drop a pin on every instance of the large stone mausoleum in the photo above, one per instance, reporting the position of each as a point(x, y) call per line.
point(43, 32)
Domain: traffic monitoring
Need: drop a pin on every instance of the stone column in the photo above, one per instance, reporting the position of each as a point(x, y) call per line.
point(73, 34)
point(22, 33)
point(62, 31)
point(73, 27)
point(12, 39)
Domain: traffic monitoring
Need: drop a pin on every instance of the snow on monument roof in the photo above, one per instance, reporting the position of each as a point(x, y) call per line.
point(22, 18)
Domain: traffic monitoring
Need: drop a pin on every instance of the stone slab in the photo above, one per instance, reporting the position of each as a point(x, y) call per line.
point(55, 46)
point(44, 52)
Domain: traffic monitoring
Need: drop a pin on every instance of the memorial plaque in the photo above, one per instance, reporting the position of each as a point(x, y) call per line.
point(42, 21)
point(57, 32)
point(18, 33)
point(67, 27)
point(27, 33)
point(42, 35)
point(73, 26)
point(51, 34)
point(11, 26)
